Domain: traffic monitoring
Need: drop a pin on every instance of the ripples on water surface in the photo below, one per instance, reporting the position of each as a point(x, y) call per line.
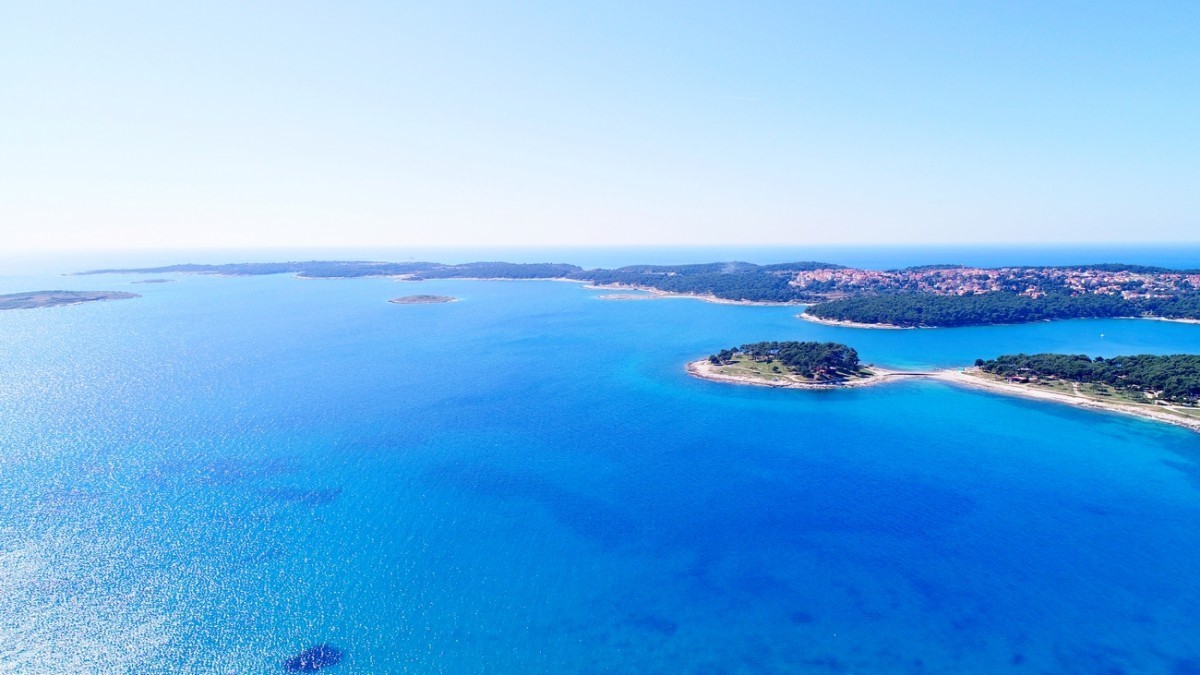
point(227, 472)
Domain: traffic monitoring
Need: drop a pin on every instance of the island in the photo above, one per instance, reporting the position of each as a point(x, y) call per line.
point(789, 365)
point(152, 281)
point(423, 299)
point(1165, 388)
point(944, 295)
point(39, 299)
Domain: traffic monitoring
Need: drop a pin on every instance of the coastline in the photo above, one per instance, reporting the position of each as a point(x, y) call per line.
point(705, 370)
point(652, 294)
point(658, 294)
point(408, 278)
point(889, 326)
point(967, 379)
point(1165, 318)
point(854, 324)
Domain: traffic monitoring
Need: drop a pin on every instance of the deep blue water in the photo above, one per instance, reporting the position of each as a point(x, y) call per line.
point(228, 471)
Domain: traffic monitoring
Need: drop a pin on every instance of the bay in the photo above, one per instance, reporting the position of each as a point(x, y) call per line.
point(227, 471)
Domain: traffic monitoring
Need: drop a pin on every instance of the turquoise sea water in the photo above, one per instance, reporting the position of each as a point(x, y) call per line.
point(226, 471)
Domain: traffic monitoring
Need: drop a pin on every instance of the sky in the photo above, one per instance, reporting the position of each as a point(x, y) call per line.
point(127, 125)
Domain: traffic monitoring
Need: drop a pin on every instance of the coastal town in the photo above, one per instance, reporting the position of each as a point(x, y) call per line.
point(1129, 282)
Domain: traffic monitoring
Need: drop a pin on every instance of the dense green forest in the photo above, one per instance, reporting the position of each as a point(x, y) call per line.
point(1180, 307)
point(729, 281)
point(500, 270)
point(819, 360)
point(1122, 267)
point(926, 309)
point(1174, 377)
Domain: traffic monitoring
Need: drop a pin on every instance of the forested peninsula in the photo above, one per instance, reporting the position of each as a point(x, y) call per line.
point(1173, 378)
point(1165, 388)
point(1162, 388)
point(917, 310)
point(912, 297)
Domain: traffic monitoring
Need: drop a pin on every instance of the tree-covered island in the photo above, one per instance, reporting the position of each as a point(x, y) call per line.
point(786, 364)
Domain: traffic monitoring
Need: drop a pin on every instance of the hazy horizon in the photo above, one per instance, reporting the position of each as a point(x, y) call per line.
point(1177, 255)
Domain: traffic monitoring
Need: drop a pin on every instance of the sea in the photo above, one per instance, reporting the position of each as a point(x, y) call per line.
point(228, 471)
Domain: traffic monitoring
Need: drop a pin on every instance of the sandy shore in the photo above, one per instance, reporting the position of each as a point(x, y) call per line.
point(1163, 318)
point(968, 378)
point(660, 294)
point(705, 370)
point(627, 296)
point(852, 324)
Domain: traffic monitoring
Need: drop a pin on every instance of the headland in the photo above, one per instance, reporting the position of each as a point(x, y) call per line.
point(40, 299)
point(1078, 394)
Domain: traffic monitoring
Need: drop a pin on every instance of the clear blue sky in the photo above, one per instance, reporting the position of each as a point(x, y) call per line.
point(212, 124)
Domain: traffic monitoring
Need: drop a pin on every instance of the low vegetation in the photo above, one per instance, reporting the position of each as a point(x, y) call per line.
point(1171, 378)
point(811, 360)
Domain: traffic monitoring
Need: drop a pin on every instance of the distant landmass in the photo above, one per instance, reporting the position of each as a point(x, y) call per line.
point(341, 269)
point(38, 299)
point(943, 295)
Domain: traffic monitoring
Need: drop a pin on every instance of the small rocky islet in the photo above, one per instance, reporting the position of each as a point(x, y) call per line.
point(423, 299)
